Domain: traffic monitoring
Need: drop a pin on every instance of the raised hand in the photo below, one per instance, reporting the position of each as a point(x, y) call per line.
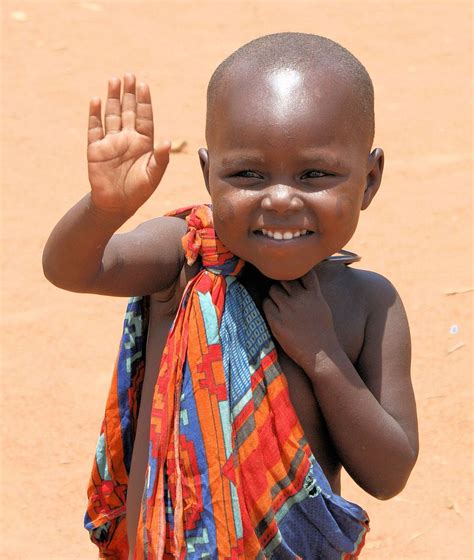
point(124, 166)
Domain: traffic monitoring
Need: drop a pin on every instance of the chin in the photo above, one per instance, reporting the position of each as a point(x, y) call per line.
point(282, 273)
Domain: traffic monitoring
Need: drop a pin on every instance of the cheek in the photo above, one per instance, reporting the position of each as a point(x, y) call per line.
point(233, 210)
point(225, 212)
point(346, 208)
point(223, 209)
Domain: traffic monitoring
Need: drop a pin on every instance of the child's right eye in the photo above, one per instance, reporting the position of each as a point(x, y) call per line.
point(248, 174)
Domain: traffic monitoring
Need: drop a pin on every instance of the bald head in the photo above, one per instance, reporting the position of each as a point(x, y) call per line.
point(289, 62)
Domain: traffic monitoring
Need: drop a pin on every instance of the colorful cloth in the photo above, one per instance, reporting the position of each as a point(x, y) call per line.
point(230, 474)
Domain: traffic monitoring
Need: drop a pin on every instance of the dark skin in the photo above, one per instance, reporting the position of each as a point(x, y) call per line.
point(283, 158)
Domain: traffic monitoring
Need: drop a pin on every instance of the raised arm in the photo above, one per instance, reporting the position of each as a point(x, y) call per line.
point(82, 253)
point(370, 411)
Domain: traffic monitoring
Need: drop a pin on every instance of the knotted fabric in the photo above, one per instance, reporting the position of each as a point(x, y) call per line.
point(230, 474)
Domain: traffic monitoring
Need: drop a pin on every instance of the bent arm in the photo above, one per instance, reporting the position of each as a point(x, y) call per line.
point(82, 253)
point(370, 411)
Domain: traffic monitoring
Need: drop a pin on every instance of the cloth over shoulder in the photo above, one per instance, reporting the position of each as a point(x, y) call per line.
point(230, 473)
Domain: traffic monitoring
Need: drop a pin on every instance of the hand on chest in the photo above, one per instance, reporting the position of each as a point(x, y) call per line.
point(316, 312)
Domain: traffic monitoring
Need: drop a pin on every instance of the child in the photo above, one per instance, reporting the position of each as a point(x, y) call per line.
point(231, 457)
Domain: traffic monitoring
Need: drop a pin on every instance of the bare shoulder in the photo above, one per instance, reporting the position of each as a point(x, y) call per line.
point(144, 261)
point(366, 311)
point(375, 291)
point(365, 292)
point(386, 323)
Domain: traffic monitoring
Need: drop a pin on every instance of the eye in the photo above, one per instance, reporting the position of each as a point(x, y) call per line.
point(314, 174)
point(248, 174)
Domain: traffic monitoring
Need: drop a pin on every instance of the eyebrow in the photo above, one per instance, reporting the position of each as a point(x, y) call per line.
point(242, 161)
point(321, 159)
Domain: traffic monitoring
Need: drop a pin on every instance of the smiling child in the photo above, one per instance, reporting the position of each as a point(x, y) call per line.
point(255, 363)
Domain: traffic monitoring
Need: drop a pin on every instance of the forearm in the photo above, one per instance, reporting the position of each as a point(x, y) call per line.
point(73, 255)
point(373, 447)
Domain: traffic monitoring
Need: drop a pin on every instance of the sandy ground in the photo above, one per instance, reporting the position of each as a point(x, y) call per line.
point(59, 348)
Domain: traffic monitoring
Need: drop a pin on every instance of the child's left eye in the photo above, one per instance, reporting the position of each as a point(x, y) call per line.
point(313, 174)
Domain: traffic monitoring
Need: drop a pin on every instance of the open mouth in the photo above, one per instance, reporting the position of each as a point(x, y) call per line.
point(283, 235)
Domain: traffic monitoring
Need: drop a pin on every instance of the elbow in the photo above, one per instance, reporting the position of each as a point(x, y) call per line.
point(389, 489)
point(61, 278)
point(48, 269)
point(387, 493)
point(394, 480)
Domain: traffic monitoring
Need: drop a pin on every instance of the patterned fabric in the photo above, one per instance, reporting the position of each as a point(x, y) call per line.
point(230, 474)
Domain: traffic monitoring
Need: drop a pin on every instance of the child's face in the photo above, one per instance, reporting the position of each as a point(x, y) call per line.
point(288, 170)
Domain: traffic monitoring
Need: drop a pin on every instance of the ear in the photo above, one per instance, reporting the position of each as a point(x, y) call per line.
point(204, 160)
point(374, 176)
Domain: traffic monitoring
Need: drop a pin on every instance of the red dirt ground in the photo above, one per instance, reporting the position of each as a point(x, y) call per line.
point(59, 348)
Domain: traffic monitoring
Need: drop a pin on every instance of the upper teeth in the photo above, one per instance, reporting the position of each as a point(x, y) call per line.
point(283, 234)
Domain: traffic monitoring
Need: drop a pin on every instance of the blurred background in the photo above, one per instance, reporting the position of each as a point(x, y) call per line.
point(58, 348)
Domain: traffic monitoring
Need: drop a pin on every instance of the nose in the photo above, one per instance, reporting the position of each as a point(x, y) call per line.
point(281, 198)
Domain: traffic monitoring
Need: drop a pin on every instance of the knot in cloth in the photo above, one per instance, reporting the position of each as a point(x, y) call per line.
point(201, 241)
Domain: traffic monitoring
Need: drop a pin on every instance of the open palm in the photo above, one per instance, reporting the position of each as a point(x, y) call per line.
point(124, 167)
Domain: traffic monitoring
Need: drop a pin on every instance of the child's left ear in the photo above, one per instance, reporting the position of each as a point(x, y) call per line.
point(374, 176)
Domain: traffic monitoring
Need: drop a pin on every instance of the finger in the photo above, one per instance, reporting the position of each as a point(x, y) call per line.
point(310, 280)
point(278, 295)
point(95, 131)
point(270, 308)
point(158, 162)
point(113, 119)
point(289, 286)
point(144, 119)
point(129, 102)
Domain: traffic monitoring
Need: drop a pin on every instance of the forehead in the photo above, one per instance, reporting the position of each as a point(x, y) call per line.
point(315, 106)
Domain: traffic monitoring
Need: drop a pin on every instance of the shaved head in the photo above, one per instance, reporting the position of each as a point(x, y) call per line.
point(286, 57)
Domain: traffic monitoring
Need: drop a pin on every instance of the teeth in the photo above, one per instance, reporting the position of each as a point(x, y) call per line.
point(283, 235)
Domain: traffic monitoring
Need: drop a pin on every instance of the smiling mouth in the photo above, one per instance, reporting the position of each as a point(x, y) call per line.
point(283, 235)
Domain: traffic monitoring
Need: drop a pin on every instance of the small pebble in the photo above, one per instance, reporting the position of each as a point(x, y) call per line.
point(18, 16)
point(177, 145)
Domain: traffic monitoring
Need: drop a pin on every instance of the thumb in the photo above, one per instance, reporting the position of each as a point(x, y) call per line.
point(159, 161)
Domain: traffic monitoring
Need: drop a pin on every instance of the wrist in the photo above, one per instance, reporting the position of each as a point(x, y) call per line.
point(108, 219)
point(325, 361)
